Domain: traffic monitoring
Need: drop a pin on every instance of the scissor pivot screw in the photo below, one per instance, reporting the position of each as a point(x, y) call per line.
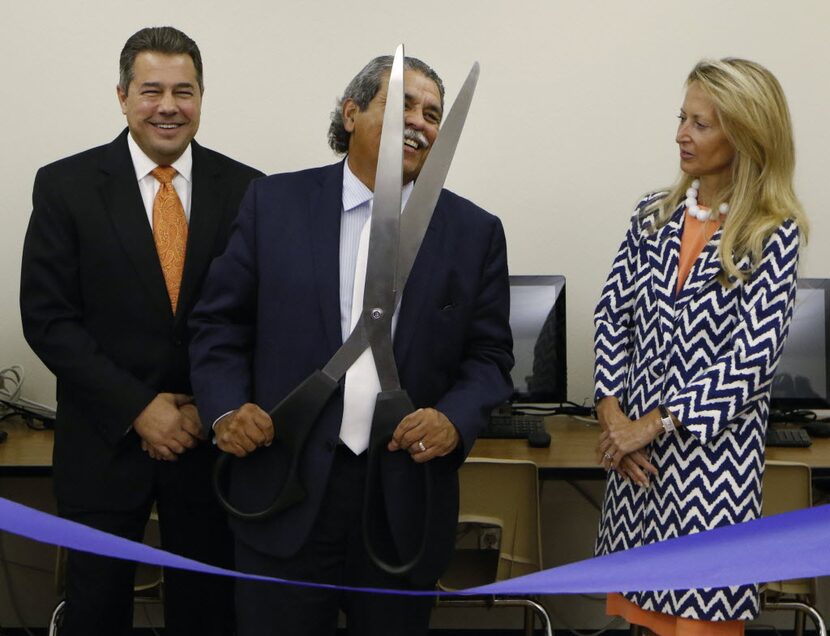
point(376, 313)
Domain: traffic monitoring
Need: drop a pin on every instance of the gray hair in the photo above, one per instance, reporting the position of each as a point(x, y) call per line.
point(362, 90)
point(166, 40)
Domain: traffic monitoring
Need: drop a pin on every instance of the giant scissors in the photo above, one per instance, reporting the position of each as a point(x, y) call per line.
point(394, 241)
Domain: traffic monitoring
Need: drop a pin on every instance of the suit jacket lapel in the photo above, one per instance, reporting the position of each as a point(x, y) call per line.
point(122, 200)
point(662, 251)
point(324, 229)
point(325, 209)
point(415, 293)
point(705, 268)
point(205, 215)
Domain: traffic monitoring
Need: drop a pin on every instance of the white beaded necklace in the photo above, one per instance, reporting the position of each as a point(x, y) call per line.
point(695, 210)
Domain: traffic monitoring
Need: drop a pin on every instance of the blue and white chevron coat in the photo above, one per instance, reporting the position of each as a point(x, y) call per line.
point(709, 355)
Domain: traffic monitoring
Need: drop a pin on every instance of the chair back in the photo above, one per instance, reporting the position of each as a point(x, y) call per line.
point(503, 494)
point(787, 487)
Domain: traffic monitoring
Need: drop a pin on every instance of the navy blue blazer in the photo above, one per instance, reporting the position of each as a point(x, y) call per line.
point(269, 316)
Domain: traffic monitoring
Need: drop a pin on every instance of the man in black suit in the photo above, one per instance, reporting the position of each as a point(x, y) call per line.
point(113, 262)
point(274, 310)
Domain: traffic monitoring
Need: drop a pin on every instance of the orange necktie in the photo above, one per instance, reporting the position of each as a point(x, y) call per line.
point(169, 231)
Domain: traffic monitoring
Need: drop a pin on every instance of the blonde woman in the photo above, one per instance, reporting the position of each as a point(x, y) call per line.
point(689, 330)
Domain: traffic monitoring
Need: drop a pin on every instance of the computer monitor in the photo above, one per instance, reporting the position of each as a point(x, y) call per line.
point(802, 379)
point(537, 318)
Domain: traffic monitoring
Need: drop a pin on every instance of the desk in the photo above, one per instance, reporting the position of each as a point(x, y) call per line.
point(571, 451)
point(26, 451)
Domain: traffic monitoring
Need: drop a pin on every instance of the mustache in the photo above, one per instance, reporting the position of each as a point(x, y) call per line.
point(417, 136)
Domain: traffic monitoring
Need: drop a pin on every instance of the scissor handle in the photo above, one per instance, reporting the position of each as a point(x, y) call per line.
point(293, 419)
point(390, 408)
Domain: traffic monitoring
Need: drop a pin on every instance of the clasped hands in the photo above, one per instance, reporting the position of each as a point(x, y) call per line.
point(168, 426)
point(621, 442)
point(424, 433)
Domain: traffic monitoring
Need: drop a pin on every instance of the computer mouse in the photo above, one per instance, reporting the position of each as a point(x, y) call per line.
point(817, 429)
point(538, 439)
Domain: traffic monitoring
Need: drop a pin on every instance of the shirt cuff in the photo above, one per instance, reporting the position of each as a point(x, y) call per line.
point(213, 426)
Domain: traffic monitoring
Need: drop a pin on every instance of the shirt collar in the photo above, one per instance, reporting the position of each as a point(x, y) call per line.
point(355, 192)
point(144, 165)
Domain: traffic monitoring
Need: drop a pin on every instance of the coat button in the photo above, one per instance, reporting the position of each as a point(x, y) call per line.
point(330, 446)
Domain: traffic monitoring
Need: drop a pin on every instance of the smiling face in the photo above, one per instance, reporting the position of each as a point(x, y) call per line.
point(162, 104)
point(422, 117)
point(705, 151)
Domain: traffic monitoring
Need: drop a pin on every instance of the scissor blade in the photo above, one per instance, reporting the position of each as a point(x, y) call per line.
point(379, 291)
point(348, 352)
point(419, 208)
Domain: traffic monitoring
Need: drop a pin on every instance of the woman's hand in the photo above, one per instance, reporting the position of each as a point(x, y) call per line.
point(609, 411)
point(636, 467)
point(622, 440)
point(622, 437)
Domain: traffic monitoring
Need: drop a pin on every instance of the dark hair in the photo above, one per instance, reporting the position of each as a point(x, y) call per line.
point(161, 40)
point(362, 90)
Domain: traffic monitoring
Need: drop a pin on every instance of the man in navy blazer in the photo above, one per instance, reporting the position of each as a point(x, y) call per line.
point(276, 306)
point(96, 309)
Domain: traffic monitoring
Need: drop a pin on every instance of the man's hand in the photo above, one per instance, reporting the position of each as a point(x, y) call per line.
point(244, 430)
point(165, 430)
point(190, 411)
point(425, 434)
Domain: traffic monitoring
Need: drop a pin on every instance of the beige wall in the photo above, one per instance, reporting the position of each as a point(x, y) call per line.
point(573, 119)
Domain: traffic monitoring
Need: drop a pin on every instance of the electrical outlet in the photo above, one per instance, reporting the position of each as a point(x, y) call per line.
point(489, 538)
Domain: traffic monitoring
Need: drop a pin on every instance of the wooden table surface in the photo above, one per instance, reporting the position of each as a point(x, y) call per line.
point(25, 450)
point(571, 452)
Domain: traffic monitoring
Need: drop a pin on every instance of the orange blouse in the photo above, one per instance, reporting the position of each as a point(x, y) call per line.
point(696, 235)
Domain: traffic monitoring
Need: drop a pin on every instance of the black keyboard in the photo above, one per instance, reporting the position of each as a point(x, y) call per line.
point(797, 437)
point(517, 426)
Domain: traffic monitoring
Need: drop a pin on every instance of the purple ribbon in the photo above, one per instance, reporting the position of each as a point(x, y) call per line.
point(745, 553)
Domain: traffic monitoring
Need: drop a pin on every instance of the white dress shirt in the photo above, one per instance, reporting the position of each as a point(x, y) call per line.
point(358, 399)
point(148, 185)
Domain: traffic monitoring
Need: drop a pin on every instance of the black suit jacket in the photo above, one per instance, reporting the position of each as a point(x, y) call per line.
point(95, 309)
point(270, 315)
